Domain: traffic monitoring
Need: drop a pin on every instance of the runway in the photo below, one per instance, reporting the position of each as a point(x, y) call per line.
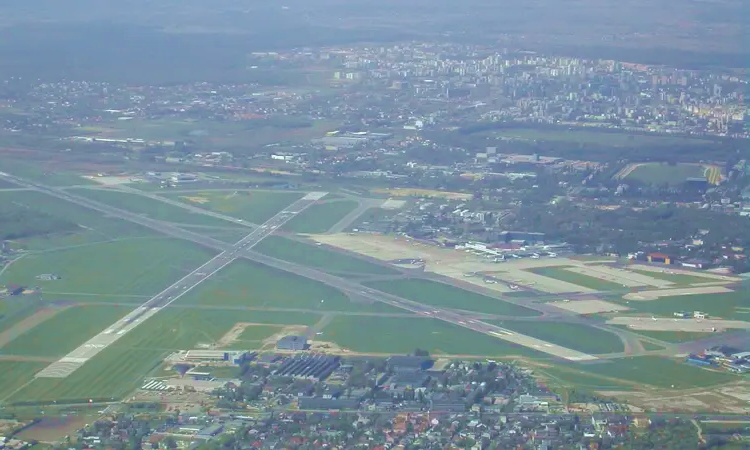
point(78, 357)
point(244, 249)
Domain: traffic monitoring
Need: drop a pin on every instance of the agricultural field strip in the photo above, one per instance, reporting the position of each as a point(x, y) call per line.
point(75, 359)
point(676, 271)
point(343, 284)
point(689, 325)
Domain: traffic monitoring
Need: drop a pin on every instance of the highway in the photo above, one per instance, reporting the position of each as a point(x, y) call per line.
point(243, 249)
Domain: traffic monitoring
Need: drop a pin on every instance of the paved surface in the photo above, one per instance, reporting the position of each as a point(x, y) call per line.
point(78, 357)
point(364, 205)
point(353, 289)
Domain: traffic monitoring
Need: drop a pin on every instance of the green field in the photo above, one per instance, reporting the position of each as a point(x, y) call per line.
point(253, 206)
point(573, 336)
point(404, 335)
point(569, 378)
point(239, 135)
point(184, 328)
point(660, 173)
point(254, 285)
point(676, 278)
point(659, 372)
point(675, 337)
point(48, 174)
point(731, 305)
point(94, 225)
point(65, 331)
point(14, 374)
point(320, 217)
point(446, 296)
point(135, 266)
point(8, 185)
point(318, 257)
point(560, 273)
point(592, 137)
point(151, 208)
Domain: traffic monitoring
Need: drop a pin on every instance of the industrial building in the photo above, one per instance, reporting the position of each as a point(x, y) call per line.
point(294, 343)
point(660, 258)
point(314, 367)
point(236, 357)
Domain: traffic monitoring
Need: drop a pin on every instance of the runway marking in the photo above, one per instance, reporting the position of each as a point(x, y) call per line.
point(78, 357)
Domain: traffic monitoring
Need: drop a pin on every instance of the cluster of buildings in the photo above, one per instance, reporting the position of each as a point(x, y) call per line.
point(721, 357)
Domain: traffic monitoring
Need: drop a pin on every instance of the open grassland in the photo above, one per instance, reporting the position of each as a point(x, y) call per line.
point(151, 208)
point(110, 375)
point(184, 328)
point(659, 372)
point(404, 335)
point(139, 266)
point(318, 257)
point(730, 305)
point(253, 206)
point(320, 217)
point(14, 374)
point(569, 378)
point(254, 285)
point(42, 173)
point(591, 137)
point(8, 185)
point(65, 331)
point(91, 222)
point(583, 338)
point(445, 296)
point(661, 173)
point(559, 273)
point(676, 278)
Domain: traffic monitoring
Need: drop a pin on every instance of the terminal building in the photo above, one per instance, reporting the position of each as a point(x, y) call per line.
point(295, 343)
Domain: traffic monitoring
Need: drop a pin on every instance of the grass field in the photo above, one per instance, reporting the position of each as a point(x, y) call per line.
point(659, 372)
point(318, 257)
point(731, 305)
point(47, 174)
point(446, 296)
point(92, 222)
point(677, 278)
point(672, 336)
point(592, 137)
point(65, 331)
point(577, 337)
point(660, 173)
point(403, 335)
point(254, 285)
point(559, 273)
point(8, 185)
point(253, 206)
point(14, 374)
point(569, 377)
point(320, 217)
point(136, 266)
point(151, 208)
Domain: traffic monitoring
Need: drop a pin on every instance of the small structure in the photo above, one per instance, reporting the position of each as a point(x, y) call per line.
point(660, 258)
point(48, 277)
point(294, 343)
point(14, 289)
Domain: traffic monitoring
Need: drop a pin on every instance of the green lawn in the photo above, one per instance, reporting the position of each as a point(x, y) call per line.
point(560, 273)
point(676, 278)
point(446, 296)
point(253, 206)
point(404, 335)
point(254, 285)
point(648, 346)
point(567, 377)
point(593, 137)
point(91, 222)
point(573, 336)
point(8, 185)
point(659, 372)
point(661, 173)
point(318, 257)
point(731, 305)
point(14, 374)
point(65, 331)
point(40, 172)
point(151, 208)
point(139, 266)
point(320, 217)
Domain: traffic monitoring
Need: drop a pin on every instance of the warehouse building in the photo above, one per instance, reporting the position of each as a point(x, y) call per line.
point(295, 343)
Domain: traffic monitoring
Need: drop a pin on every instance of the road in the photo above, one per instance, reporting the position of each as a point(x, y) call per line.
point(79, 356)
point(346, 221)
point(353, 289)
